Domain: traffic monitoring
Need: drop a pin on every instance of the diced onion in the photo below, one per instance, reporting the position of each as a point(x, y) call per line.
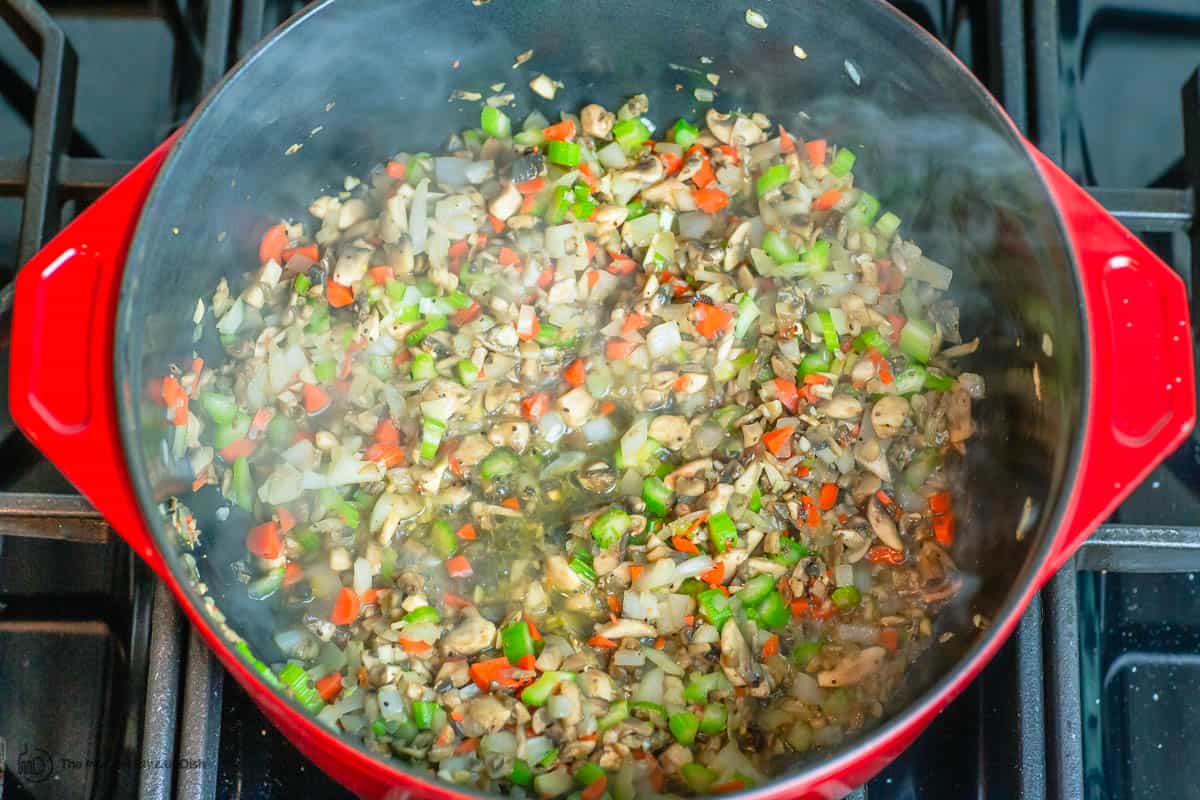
point(634, 438)
point(362, 575)
point(551, 426)
point(650, 687)
point(926, 269)
point(640, 605)
point(451, 171)
point(663, 339)
point(612, 156)
point(694, 567)
point(844, 574)
point(663, 660)
point(556, 239)
point(640, 232)
point(629, 658)
point(805, 688)
point(660, 573)
point(418, 217)
point(500, 743)
point(694, 224)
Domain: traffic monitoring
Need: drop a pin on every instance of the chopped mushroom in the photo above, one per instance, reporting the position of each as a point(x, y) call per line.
point(883, 525)
point(854, 669)
point(736, 659)
point(472, 634)
point(596, 121)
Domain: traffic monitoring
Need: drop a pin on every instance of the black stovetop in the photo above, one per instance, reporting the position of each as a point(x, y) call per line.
point(106, 693)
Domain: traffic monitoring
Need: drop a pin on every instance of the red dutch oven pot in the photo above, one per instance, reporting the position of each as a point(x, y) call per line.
point(1085, 338)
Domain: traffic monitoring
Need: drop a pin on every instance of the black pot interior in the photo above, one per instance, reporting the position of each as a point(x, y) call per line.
point(354, 82)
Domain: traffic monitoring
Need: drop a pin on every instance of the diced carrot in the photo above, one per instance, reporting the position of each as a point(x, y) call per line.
point(622, 265)
point(730, 151)
point(802, 470)
point(386, 432)
point(531, 186)
point(527, 662)
point(776, 439)
point(345, 607)
point(694, 524)
point(397, 170)
point(711, 320)
point(560, 131)
point(175, 399)
point(533, 630)
point(292, 574)
point(455, 601)
point(576, 373)
point(600, 641)
point(714, 576)
point(705, 175)
point(467, 532)
point(508, 257)
point(535, 405)
point(883, 498)
point(827, 200)
point(672, 162)
point(468, 314)
point(493, 670)
point(585, 172)
point(607, 407)
point(527, 326)
point(337, 294)
point(237, 449)
point(684, 545)
point(511, 503)
point(815, 150)
point(546, 278)
point(728, 786)
point(771, 646)
point(270, 248)
point(882, 554)
point(786, 143)
point(415, 647)
point(595, 789)
point(890, 639)
point(496, 223)
point(939, 502)
point(309, 251)
point(527, 205)
point(265, 541)
point(315, 398)
point(390, 454)
point(943, 528)
point(710, 201)
point(635, 571)
point(616, 349)
point(466, 746)
point(812, 516)
point(660, 643)
point(828, 497)
point(633, 322)
point(459, 248)
point(689, 619)
point(459, 567)
point(592, 277)
point(330, 686)
point(787, 394)
point(614, 605)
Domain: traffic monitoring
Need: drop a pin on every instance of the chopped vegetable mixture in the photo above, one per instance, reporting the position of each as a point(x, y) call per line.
point(590, 458)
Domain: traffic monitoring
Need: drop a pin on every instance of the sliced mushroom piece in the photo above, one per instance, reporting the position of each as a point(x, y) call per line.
point(513, 434)
point(484, 714)
point(626, 629)
point(883, 525)
point(649, 170)
point(738, 246)
point(853, 669)
point(958, 414)
point(721, 125)
point(507, 203)
point(597, 478)
point(856, 544)
point(746, 132)
point(596, 121)
point(595, 684)
point(842, 406)
point(575, 406)
point(870, 454)
point(472, 635)
point(736, 659)
point(888, 415)
point(473, 449)
point(671, 431)
point(560, 576)
point(688, 470)
point(352, 265)
point(664, 191)
point(610, 217)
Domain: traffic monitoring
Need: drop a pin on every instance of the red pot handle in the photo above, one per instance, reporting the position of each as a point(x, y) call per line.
point(1137, 323)
point(61, 389)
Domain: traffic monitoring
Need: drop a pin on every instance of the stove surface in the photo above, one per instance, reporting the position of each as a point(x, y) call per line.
point(106, 693)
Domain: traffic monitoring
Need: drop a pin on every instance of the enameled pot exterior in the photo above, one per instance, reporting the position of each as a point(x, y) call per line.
point(73, 298)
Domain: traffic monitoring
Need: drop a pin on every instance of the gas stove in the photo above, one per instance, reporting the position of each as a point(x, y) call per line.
point(105, 691)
